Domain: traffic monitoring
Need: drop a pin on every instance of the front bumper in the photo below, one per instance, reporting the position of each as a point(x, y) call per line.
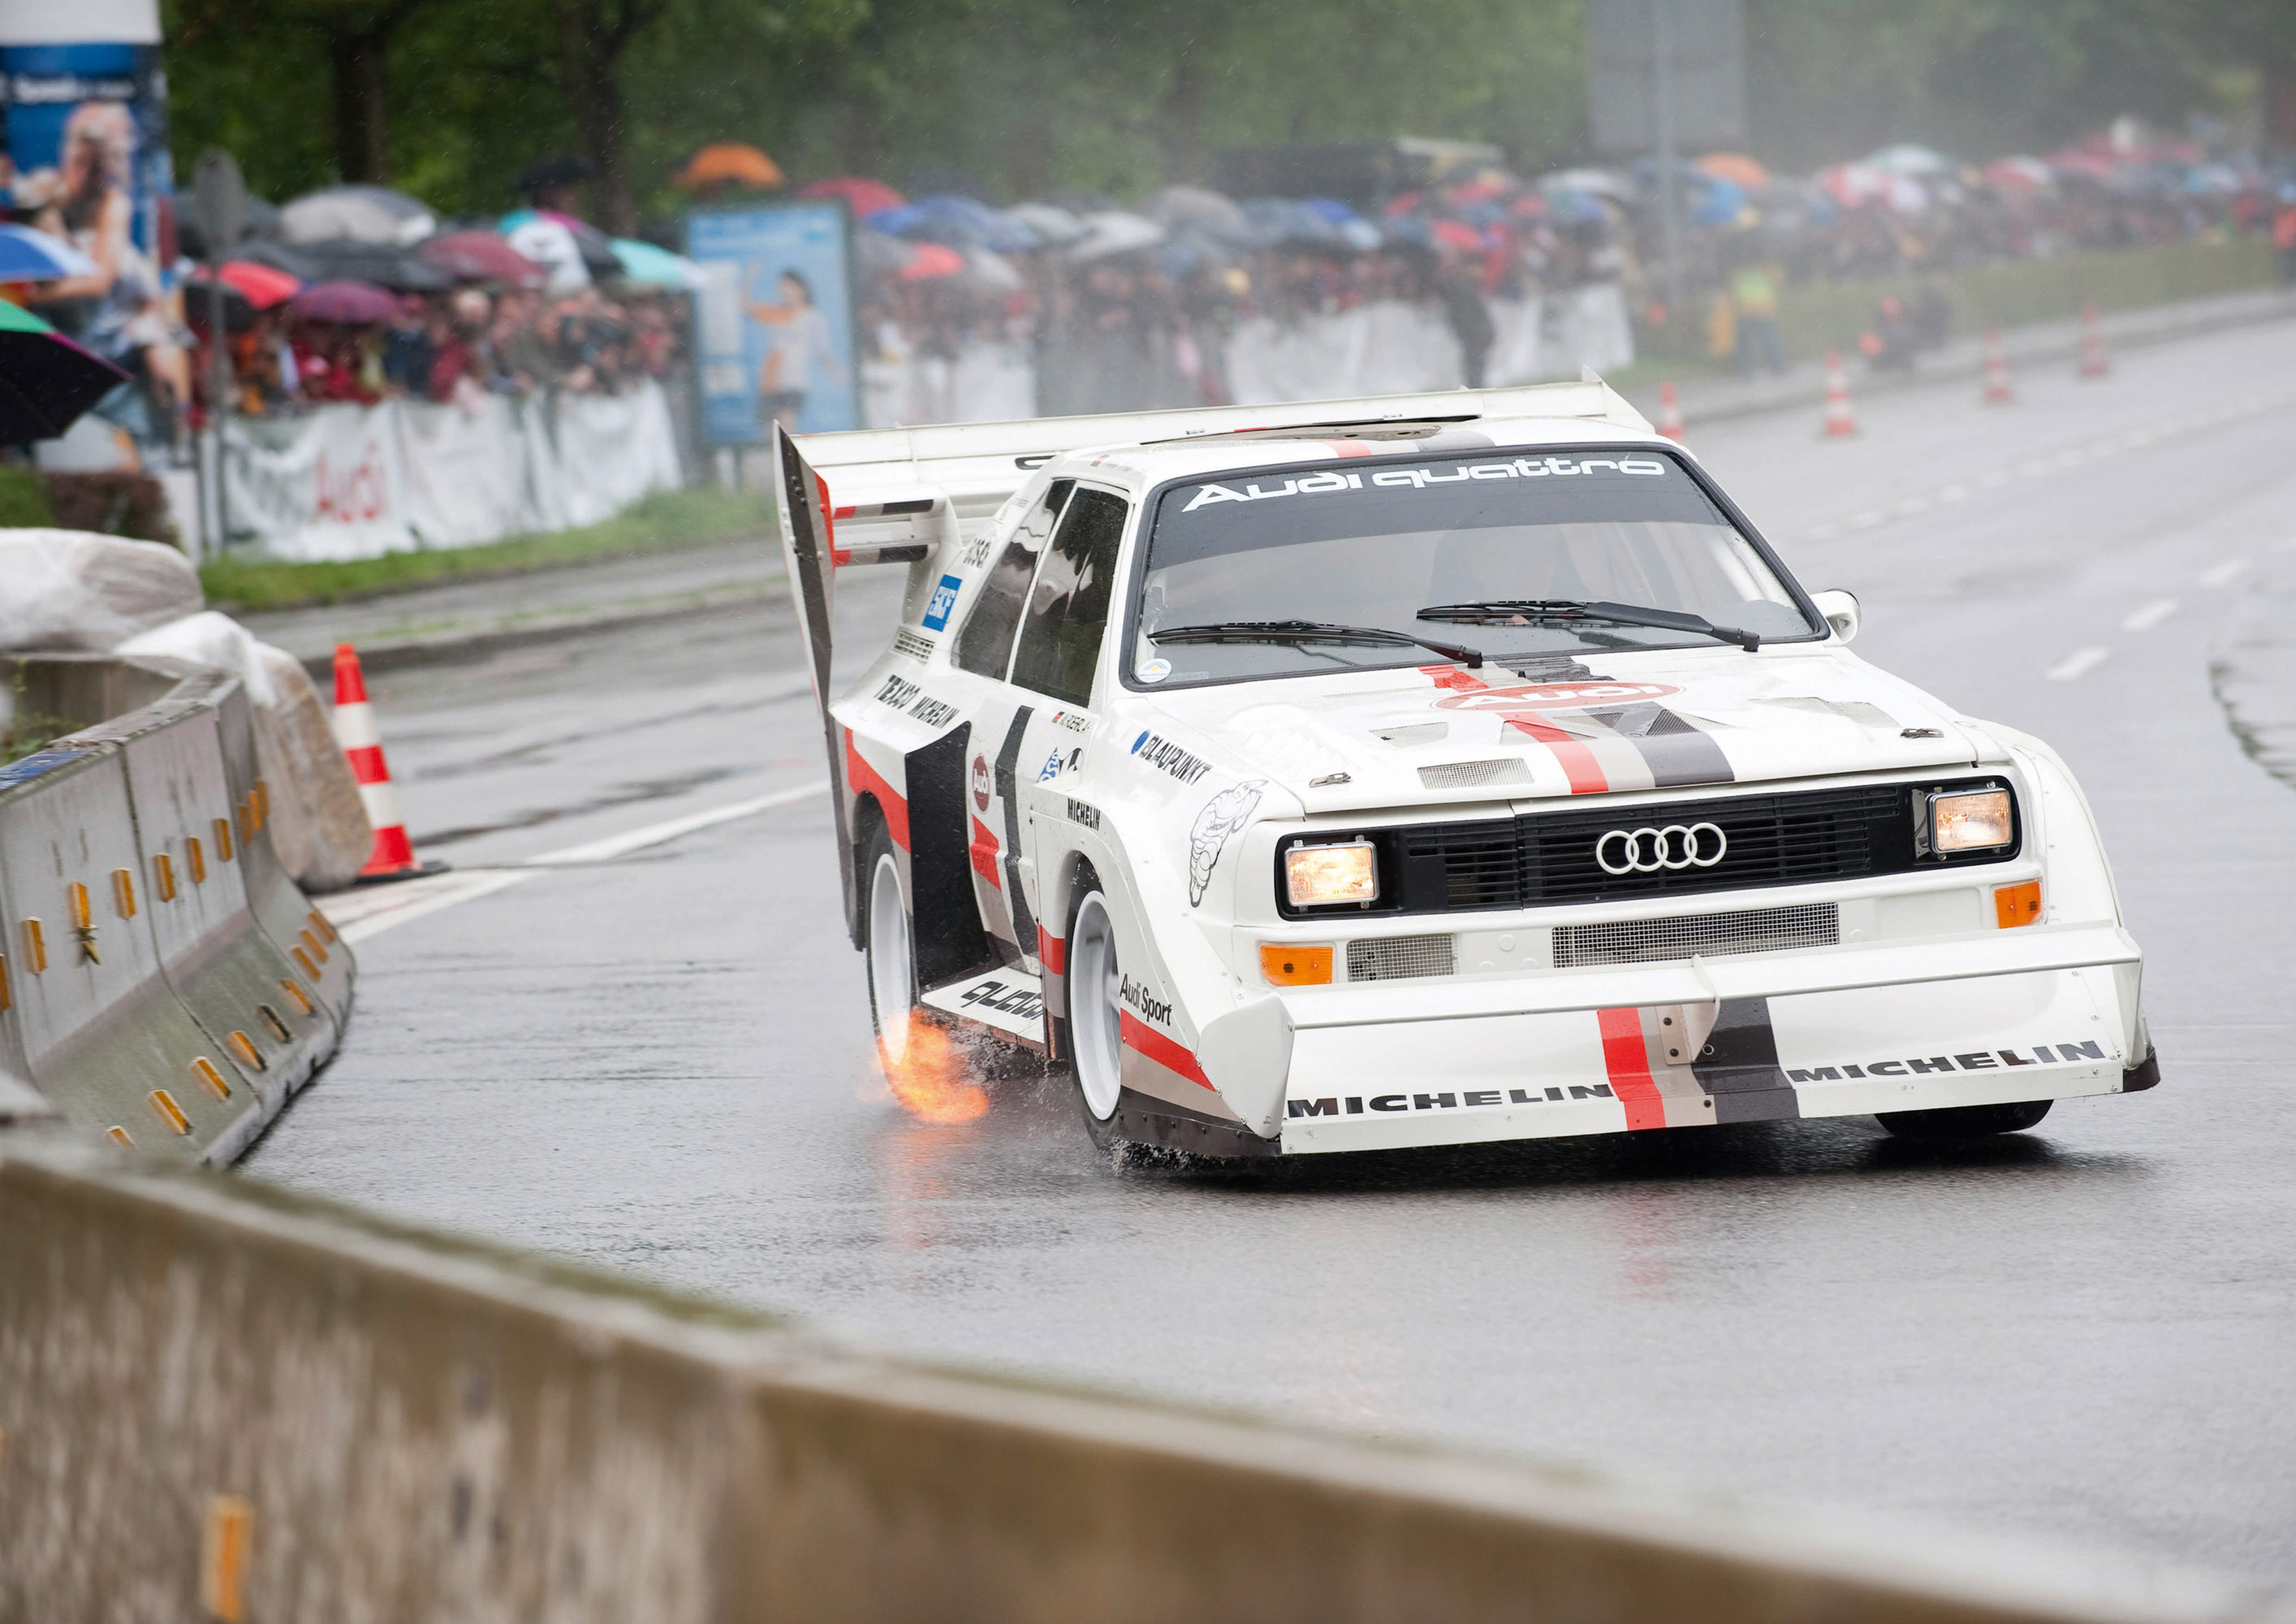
point(2051, 1014)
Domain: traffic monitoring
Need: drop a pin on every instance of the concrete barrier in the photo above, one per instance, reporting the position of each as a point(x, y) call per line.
point(143, 998)
point(216, 1394)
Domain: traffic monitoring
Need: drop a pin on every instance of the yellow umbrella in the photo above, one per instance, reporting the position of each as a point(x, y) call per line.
point(1735, 168)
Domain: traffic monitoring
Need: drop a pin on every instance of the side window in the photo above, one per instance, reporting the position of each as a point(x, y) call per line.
point(985, 645)
point(1068, 611)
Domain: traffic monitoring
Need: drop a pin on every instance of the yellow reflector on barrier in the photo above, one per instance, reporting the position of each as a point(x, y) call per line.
point(35, 947)
point(197, 858)
point(224, 1558)
point(7, 993)
point(324, 926)
point(302, 999)
point(123, 892)
point(171, 1113)
point(223, 839)
point(78, 894)
point(278, 1027)
point(303, 959)
point(205, 1070)
point(118, 1136)
point(245, 1047)
point(163, 876)
point(262, 804)
point(312, 942)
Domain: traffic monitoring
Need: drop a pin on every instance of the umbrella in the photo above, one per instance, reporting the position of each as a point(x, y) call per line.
point(656, 267)
point(1735, 168)
point(990, 272)
point(1113, 231)
point(260, 285)
point(1056, 226)
point(863, 197)
point(1450, 233)
point(1207, 213)
point(729, 163)
point(2018, 175)
point(960, 222)
point(882, 255)
point(45, 380)
point(934, 261)
point(1597, 183)
point(360, 214)
point(355, 304)
point(27, 255)
point(481, 256)
point(401, 268)
point(199, 306)
point(1906, 158)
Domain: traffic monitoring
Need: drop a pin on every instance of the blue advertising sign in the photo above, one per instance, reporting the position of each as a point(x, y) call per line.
point(774, 323)
point(87, 149)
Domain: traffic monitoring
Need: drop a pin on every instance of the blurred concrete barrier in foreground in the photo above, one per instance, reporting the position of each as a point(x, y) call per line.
point(162, 982)
point(218, 1395)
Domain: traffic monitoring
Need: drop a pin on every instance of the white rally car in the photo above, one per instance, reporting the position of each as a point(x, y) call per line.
point(1425, 770)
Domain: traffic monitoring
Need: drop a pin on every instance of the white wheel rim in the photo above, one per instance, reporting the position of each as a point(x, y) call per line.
point(1094, 1009)
point(891, 980)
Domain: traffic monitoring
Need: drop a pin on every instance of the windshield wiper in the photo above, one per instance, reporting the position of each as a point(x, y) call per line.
point(1310, 631)
point(1512, 612)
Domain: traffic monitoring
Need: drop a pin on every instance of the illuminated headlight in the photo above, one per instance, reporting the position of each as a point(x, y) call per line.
point(1321, 876)
point(1971, 820)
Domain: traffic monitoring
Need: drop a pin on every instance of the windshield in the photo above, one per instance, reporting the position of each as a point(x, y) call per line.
point(1235, 568)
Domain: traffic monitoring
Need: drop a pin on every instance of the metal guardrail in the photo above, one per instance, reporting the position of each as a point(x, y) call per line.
point(218, 1394)
point(162, 980)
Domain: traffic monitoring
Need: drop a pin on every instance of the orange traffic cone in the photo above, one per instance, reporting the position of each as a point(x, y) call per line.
point(1840, 421)
point(393, 858)
point(1669, 412)
point(2095, 359)
point(1998, 389)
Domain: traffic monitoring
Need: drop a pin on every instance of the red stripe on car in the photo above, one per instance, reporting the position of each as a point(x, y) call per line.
point(1052, 951)
point(1628, 1061)
point(1137, 1034)
point(862, 778)
point(1579, 767)
point(983, 852)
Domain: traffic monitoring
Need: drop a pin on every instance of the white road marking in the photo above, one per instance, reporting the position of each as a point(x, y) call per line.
point(2151, 615)
point(2078, 663)
point(371, 910)
point(2225, 573)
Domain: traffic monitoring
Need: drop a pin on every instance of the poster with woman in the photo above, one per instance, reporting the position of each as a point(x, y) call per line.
point(774, 325)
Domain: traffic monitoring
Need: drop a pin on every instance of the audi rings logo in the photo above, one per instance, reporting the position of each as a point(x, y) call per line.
point(1645, 852)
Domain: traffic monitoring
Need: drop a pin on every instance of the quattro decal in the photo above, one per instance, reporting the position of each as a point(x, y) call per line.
point(1520, 468)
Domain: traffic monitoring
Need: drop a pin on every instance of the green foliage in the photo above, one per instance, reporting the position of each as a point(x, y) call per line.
point(24, 500)
point(1019, 96)
point(662, 523)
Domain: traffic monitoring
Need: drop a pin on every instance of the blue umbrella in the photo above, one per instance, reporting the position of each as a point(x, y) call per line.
point(643, 262)
point(27, 255)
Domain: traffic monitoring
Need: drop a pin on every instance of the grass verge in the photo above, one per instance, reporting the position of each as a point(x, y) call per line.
point(663, 522)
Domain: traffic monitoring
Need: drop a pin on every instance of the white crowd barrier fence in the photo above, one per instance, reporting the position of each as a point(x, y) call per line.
point(346, 481)
point(1389, 347)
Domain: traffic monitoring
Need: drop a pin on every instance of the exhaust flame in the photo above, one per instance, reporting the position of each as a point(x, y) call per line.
point(929, 1078)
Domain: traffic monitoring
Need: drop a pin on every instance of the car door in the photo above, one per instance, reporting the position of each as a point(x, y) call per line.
point(1055, 659)
point(1000, 718)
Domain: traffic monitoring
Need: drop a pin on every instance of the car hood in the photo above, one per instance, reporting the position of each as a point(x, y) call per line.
point(1655, 720)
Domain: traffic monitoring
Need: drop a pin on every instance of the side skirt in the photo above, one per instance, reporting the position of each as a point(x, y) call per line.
point(1144, 1120)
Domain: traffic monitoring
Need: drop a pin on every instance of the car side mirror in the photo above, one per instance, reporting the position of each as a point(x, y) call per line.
point(1840, 609)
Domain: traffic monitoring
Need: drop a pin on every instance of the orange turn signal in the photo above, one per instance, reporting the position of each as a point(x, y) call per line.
point(2017, 905)
point(1289, 966)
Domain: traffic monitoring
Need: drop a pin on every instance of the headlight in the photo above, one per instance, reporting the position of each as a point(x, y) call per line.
point(1971, 820)
point(1321, 876)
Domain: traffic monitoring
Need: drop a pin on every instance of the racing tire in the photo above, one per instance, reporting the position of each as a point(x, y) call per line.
point(1964, 1122)
point(889, 949)
point(1094, 1024)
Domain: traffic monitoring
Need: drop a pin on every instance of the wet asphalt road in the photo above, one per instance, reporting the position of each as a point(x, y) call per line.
point(2088, 1332)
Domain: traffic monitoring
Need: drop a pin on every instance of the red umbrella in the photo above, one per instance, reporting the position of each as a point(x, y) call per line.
point(863, 197)
point(481, 256)
point(355, 304)
point(933, 260)
point(1450, 233)
point(262, 286)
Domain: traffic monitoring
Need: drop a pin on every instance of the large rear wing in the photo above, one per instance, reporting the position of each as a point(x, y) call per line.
point(890, 496)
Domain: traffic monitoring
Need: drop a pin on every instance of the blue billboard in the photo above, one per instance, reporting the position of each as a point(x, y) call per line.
point(773, 322)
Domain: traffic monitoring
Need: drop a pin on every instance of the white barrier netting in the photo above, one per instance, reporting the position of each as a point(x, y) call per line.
point(1388, 346)
point(346, 481)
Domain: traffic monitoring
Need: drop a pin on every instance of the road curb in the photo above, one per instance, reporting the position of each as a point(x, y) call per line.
point(406, 653)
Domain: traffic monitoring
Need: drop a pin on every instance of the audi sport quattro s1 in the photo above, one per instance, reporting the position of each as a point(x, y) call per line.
point(1427, 770)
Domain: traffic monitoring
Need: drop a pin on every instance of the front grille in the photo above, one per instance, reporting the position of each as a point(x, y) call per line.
point(1639, 941)
point(1543, 858)
point(1475, 774)
point(1396, 958)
